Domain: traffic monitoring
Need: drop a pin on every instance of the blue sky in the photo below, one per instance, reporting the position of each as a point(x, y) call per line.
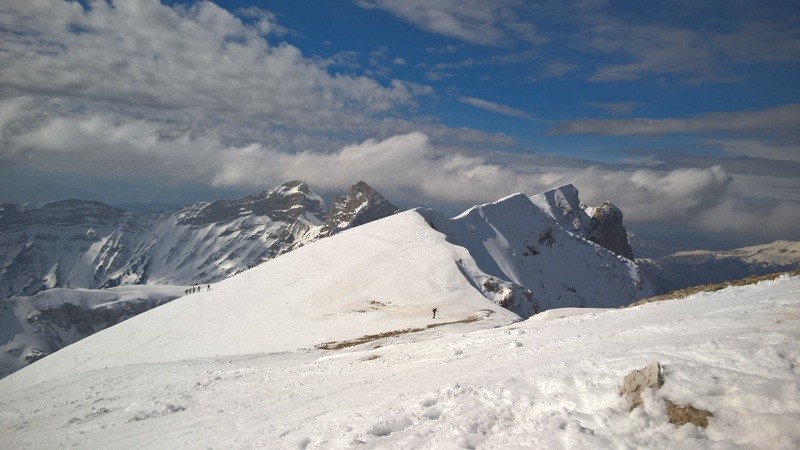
point(682, 113)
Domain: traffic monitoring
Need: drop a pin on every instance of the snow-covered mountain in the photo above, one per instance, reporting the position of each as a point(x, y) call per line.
point(496, 263)
point(522, 258)
point(510, 252)
point(333, 346)
point(85, 244)
point(691, 268)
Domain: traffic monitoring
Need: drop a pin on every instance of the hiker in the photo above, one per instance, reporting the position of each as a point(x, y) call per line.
point(209, 287)
point(434, 312)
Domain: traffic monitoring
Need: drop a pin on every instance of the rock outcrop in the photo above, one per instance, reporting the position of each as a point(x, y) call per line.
point(606, 229)
point(637, 381)
point(651, 377)
point(360, 205)
point(601, 224)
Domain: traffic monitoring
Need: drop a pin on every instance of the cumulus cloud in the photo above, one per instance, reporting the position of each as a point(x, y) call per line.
point(197, 59)
point(785, 117)
point(410, 168)
point(757, 220)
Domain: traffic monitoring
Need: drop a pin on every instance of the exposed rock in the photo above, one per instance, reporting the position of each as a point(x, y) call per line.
point(360, 205)
point(601, 224)
point(683, 414)
point(651, 377)
point(287, 202)
point(607, 230)
point(634, 383)
point(511, 296)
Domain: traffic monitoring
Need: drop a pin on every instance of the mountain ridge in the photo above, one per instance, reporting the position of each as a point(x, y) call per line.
point(88, 244)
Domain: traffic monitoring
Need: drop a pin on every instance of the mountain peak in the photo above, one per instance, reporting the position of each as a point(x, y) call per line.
point(601, 224)
point(286, 202)
point(361, 204)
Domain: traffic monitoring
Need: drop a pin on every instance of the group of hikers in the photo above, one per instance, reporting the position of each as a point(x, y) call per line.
point(194, 289)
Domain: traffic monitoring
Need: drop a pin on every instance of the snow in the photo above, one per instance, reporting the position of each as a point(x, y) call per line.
point(549, 382)
point(504, 239)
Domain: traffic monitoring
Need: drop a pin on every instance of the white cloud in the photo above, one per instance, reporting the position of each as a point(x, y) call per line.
point(758, 221)
point(408, 168)
point(785, 151)
point(198, 60)
point(653, 50)
point(474, 21)
point(785, 117)
point(498, 108)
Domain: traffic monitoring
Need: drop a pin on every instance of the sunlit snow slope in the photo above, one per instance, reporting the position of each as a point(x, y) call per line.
point(382, 277)
point(516, 241)
point(549, 382)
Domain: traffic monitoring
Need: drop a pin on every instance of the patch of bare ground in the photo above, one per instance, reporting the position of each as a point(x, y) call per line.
point(683, 293)
point(336, 345)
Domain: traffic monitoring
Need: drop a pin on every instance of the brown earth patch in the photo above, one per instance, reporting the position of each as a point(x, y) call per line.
point(336, 345)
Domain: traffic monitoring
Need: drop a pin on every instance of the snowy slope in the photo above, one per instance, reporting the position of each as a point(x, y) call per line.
point(549, 382)
point(380, 277)
point(513, 240)
point(33, 327)
point(489, 252)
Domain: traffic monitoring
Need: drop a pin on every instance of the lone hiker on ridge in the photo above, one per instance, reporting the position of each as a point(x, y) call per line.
point(434, 312)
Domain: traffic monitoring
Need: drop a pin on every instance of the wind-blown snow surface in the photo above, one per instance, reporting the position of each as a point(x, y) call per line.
point(548, 382)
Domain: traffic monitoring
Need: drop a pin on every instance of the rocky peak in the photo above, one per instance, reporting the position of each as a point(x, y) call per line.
point(361, 204)
point(601, 224)
point(606, 229)
point(287, 203)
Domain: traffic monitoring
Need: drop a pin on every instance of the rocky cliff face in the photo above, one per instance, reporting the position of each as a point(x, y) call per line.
point(606, 229)
point(601, 224)
point(360, 205)
point(76, 243)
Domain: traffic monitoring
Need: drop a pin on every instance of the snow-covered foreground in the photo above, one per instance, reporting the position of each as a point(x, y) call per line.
point(549, 382)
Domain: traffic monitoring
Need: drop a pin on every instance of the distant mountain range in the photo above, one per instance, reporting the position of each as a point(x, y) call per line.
point(684, 269)
point(87, 244)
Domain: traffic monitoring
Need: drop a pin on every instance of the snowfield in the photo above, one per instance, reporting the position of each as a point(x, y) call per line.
point(551, 381)
point(333, 346)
